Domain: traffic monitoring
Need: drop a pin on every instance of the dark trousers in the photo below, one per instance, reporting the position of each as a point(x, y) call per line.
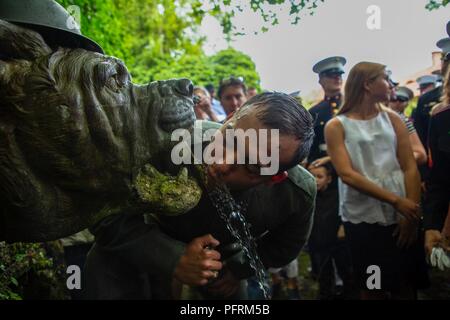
point(76, 255)
point(323, 260)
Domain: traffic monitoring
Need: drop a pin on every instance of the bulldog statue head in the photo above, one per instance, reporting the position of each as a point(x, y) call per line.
point(75, 133)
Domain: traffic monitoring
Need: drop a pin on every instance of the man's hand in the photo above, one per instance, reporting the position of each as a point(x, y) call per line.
point(225, 286)
point(205, 106)
point(199, 263)
point(432, 239)
point(406, 233)
point(407, 208)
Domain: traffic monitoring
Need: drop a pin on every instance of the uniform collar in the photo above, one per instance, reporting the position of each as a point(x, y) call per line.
point(335, 98)
point(334, 102)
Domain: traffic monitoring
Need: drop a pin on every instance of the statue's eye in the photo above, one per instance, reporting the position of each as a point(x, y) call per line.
point(114, 83)
point(111, 76)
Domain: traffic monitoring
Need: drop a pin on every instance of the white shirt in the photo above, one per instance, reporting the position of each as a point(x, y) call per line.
point(372, 146)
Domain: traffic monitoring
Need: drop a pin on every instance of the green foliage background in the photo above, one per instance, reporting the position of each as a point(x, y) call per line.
point(158, 39)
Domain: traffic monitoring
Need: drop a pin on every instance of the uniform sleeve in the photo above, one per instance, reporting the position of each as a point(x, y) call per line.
point(284, 243)
point(420, 122)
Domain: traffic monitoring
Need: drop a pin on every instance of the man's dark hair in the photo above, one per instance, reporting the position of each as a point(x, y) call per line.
point(283, 112)
point(230, 82)
point(210, 88)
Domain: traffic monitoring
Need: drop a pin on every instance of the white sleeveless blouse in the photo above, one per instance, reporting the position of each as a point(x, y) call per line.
point(372, 146)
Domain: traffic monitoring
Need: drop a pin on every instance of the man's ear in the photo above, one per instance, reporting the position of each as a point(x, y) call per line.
point(20, 43)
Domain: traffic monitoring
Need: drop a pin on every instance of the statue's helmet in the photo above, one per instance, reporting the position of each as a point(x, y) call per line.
point(50, 19)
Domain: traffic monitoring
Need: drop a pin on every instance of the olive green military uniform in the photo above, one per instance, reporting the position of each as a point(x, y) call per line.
point(134, 260)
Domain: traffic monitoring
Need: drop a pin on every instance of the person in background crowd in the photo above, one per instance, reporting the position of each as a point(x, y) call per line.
point(379, 186)
point(421, 115)
point(251, 92)
point(232, 94)
point(326, 244)
point(427, 83)
point(216, 106)
point(437, 197)
point(202, 106)
point(398, 102)
point(289, 275)
point(330, 72)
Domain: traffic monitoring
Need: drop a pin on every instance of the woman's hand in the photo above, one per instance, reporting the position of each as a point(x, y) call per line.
point(407, 208)
point(432, 239)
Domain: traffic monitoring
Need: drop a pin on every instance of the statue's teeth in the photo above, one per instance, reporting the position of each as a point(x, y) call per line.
point(183, 175)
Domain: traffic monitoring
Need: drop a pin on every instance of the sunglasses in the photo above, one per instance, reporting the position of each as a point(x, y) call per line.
point(399, 99)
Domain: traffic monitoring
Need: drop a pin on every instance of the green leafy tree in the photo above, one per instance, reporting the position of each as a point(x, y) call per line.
point(231, 62)
point(433, 4)
point(144, 34)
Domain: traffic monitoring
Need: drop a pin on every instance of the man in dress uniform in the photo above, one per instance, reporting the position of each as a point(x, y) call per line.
point(330, 72)
point(437, 204)
point(437, 200)
point(427, 83)
point(421, 114)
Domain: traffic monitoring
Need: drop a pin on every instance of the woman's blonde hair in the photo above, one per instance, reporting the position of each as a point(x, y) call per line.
point(354, 87)
point(446, 89)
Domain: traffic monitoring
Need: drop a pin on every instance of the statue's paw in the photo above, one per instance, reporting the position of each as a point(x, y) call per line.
point(165, 194)
point(151, 171)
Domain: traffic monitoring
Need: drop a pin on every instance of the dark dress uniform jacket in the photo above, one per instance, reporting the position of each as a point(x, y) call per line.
point(322, 113)
point(438, 187)
point(421, 118)
point(134, 260)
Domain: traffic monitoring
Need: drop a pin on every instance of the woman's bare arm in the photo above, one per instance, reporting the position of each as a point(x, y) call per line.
point(417, 147)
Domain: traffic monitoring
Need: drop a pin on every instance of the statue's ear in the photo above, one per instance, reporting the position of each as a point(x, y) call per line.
point(20, 43)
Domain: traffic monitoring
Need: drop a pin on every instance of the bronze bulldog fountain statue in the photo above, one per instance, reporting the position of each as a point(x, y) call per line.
point(79, 141)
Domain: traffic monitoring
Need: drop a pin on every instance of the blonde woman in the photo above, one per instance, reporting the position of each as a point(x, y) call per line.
point(379, 185)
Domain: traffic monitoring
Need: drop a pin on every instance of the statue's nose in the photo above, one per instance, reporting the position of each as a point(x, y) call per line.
point(184, 87)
